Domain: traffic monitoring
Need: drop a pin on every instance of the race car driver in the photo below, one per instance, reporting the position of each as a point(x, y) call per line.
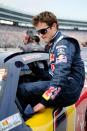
point(67, 67)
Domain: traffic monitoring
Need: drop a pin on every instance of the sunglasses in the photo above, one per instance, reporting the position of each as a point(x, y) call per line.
point(43, 31)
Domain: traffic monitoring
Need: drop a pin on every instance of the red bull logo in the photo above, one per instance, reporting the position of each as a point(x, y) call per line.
point(51, 57)
point(61, 58)
point(51, 93)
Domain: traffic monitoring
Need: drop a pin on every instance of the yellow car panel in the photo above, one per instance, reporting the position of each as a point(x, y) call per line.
point(70, 111)
point(42, 121)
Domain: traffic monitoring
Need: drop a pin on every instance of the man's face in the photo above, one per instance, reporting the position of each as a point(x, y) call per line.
point(46, 32)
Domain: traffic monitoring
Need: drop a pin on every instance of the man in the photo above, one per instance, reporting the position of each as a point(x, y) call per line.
point(67, 67)
point(29, 44)
point(66, 63)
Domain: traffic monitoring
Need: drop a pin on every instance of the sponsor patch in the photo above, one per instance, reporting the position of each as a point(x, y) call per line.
point(31, 57)
point(10, 122)
point(61, 46)
point(61, 58)
point(51, 72)
point(60, 51)
point(51, 57)
point(3, 73)
point(51, 93)
point(52, 67)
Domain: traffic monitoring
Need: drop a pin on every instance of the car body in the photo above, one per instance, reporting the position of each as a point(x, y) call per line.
point(14, 69)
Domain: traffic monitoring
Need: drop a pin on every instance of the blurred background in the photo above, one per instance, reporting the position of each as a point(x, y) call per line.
point(16, 16)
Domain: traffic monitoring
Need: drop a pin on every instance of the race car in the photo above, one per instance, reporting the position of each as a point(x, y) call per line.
point(16, 68)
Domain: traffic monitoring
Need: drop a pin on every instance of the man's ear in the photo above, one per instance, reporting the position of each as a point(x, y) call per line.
point(54, 25)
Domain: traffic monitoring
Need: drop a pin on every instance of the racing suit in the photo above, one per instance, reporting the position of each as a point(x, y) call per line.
point(68, 75)
point(68, 72)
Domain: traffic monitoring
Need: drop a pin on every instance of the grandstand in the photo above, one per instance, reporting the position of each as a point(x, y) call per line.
point(14, 23)
point(81, 36)
point(11, 36)
point(16, 17)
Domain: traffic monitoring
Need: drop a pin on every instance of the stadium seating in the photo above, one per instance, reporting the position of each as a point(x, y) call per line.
point(12, 36)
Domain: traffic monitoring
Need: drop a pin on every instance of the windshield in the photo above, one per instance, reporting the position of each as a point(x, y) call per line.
point(3, 79)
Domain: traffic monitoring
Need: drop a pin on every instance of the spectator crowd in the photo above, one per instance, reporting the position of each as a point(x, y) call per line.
point(12, 36)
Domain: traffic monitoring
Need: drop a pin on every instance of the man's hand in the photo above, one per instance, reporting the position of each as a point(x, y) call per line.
point(38, 107)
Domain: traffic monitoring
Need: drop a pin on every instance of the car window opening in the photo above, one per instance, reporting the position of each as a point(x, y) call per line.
point(32, 72)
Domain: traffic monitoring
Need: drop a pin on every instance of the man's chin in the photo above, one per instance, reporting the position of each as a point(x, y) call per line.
point(46, 41)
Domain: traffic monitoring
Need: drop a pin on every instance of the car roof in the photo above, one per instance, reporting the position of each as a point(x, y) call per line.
point(23, 57)
point(32, 56)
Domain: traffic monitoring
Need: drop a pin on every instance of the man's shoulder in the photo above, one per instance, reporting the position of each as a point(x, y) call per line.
point(70, 40)
point(66, 42)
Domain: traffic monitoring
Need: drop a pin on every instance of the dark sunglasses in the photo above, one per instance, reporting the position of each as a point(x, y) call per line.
point(43, 31)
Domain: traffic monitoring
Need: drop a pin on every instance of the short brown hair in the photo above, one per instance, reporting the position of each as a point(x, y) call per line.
point(48, 17)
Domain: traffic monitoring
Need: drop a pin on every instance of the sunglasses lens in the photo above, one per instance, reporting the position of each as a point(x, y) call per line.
point(42, 31)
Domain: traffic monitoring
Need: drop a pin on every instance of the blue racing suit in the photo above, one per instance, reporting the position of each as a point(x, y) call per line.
point(68, 72)
point(68, 75)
